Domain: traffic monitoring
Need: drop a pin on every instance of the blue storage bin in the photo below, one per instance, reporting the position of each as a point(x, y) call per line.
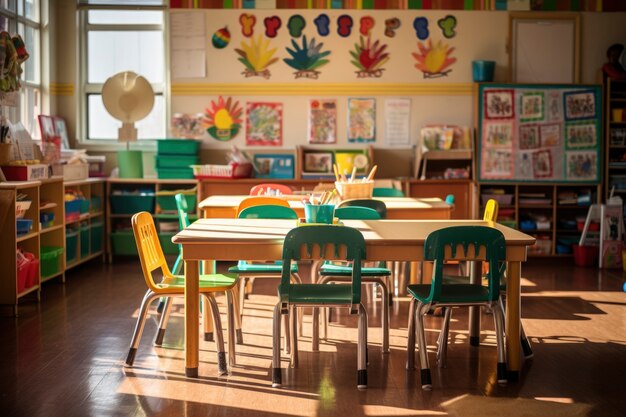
point(525, 225)
point(23, 226)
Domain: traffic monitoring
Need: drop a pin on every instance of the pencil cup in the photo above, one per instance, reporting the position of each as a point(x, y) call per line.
point(319, 213)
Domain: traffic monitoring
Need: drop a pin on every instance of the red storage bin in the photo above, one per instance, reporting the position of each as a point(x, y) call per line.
point(585, 255)
point(22, 276)
point(33, 271)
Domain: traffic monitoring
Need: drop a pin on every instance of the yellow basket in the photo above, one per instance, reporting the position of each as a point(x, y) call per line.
point(358, 189)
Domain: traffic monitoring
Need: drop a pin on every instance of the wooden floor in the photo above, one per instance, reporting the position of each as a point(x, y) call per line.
point(65, 355)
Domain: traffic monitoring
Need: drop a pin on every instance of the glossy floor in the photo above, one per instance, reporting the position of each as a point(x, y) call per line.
point(64, 356)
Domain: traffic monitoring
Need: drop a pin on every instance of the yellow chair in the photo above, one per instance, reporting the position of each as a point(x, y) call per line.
point(152, 259)
point(260, 201)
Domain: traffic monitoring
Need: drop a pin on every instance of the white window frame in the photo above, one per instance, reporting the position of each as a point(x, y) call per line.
point(85, 88)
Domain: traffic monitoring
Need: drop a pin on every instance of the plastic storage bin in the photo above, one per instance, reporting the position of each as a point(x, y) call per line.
point(232, 170)
point(21, 207)
point(132, 202)
point(72, 209)
point(502, 199)
point(175, 161)
point(85, 229)
point(169, 248)
point(585, 255)
point(46, 218)
point(96, 237)
point(167, 201)
point(178, 146)
point(50, 260)
point(123, 243)
point(175, 173)
point(71, 245)
point(96, 204)
point(23, 226)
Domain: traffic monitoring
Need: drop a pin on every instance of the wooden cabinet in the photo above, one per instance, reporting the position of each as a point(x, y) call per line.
point(463, 191)
point(553, 213)
point(615, 130)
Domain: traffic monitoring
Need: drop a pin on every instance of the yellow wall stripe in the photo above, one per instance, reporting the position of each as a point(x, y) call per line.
point(291, 89)
point(62, 89)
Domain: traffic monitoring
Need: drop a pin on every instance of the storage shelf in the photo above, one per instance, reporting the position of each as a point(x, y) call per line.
point(85, 259)
point(53, 276)
point(534, 206)
point(51, 229)
point(26, 236)
point(28, 291)
point(48, 206)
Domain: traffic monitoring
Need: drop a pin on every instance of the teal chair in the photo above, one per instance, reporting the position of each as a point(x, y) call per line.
point(438, 293)
point(377, 205)
point(386, 192)
point(332, 272)
point(250, 271)
point(332, 243)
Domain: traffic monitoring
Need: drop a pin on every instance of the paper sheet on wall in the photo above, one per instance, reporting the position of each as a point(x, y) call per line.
point(187, 45)
point(397, 116)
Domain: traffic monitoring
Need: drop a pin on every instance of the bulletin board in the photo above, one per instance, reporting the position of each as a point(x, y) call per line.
point(539, 133)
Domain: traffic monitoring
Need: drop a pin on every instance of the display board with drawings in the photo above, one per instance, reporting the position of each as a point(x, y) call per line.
point(539, 133)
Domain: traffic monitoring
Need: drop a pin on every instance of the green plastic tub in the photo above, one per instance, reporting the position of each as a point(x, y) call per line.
point(123, 243)
point(169, 248)
point(175, 173)
point(85, 240)
point(178, 147)
point(175, 161)
point(132, 202)
point(50, 260)
point(96, 237)
point(71, 245)
point(167, 201)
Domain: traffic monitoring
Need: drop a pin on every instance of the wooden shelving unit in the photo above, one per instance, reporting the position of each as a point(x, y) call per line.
point(51, 201)
point(615, 132)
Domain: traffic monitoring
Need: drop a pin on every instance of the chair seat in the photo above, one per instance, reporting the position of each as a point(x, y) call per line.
point(277, 268)
point(213, 282)
point(452, 293)
point(346, 271)
point(460, 279)
point(320, 294)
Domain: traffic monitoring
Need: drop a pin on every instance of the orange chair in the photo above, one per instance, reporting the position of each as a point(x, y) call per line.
point(270, 189)
point(260, 201)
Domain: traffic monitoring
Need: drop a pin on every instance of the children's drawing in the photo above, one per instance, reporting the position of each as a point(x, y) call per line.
point(497, 163)
point(296, 24)
point(448, 26)
point(256, 56)
point(420, 24)
point(322, 22)
point(434, 60)
point(321, 162)
point(361, 120)
point(529, 137)
point(531, 106)
point(499, 104)
point(498, 134)
point(306, 59)
point(579, 105)
point(550, 134)
point(322, 121)
point(264, 124)
point(247, 22)
point(542, 164)
point(344, 25)
point(188, 125)
point(369, 58)
point(272, 24)
point(581, 165)
point(554, 107)
point(222, 120)
point(366, 25)
point(391, 25)
point(580, 135)
point(525, 165)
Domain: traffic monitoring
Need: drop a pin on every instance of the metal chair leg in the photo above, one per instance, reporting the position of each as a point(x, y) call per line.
point(219, 336)
point(236, 308)
point(442, 342)
point(410, 347)
point(141, 321)
point(293, 321)
point(230, 313)
point(287, 334)
point(315, 329)
point(362, 349)
point(276, 370)
point(498, 317)
point(422, 347)
point(165, 315)
point(207, 322)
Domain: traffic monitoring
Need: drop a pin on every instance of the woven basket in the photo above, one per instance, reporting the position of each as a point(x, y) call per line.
point(358, 189)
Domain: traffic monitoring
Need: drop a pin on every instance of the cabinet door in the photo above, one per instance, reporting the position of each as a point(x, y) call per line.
point(462, 192)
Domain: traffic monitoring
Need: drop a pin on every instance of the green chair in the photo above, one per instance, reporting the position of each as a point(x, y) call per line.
point(386, 192)
point(438, 293)
point(248, 271)
point(326, 242)
point(332, 272)
point(377, 205)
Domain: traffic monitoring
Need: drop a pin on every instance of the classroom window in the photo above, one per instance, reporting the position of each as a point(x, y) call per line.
point(23, 17)
point(116, 40)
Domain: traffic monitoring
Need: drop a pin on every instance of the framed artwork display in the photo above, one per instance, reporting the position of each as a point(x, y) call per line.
point(264, 124)
point(318, 162)
point(361, 120)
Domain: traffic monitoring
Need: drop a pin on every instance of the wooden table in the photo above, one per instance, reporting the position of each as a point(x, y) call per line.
point(225, 207)
point(395, 240)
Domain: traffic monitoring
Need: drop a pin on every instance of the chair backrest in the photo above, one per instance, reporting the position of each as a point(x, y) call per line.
point(377, 205)
point(270, 189)
point(181, 208)
point(387, 192)
point(268, 211)
point(330, 240)
point(491, 210)
point(356, 213)
point(259, 201)
point(479, 236)
point(149, 248)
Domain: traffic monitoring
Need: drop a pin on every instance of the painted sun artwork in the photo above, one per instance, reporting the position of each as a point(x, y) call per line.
point(307, 58)
point(257, 56)
point(369, 58)
point(434, 60)
point(222, 120)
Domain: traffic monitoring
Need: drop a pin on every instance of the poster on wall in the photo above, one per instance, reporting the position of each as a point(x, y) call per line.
point(539, 133)
point(397, 121)
point(361, 120)
point(264, 124)
point(322, 121)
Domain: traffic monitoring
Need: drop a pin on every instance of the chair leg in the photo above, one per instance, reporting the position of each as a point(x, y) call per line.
point(362, 349)
point(230, 313)
point(498, 317)
point(141, 321)
point(315, 329)
point(422, 347)
point(296, 277)
point(219, 336)
point(410, 347)
point(165, 316)
point(207, 322)
point(242, 293)
point(442, 343)
point(236, 300)
point(276, 370)
point(385, 326)
point(293, 321)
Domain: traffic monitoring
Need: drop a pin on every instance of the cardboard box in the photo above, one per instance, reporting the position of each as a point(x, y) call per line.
point(25, 172)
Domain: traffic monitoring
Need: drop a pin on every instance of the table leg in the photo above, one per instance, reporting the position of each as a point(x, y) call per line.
point(192, 304)
point(475, 268)
point(513, 317)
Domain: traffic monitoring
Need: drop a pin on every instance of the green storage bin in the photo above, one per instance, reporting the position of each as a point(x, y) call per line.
point(97, 229)
point(131, 203)
point(123, 243)
point(178, 147)
point(167, 201)
point(85, 240)
point(169, 248)
point(175, 173)
point(96, 204)
point(50, 260)
point(175, 161)
point(84, 205)
point(71, 245)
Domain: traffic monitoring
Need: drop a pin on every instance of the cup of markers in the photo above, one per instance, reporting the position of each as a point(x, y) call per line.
point(319, 210)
